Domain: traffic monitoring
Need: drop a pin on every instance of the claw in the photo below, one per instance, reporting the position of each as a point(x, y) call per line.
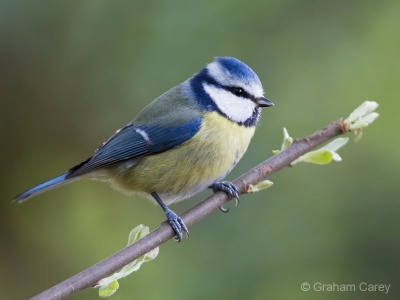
point(177, 224)
point(223, 209)
point(174, 220)
point(227, 187)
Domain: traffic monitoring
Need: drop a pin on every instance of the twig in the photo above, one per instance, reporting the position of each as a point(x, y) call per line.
point(90, 276)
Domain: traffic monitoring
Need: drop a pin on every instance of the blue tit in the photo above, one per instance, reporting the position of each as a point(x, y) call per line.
point(186, 140)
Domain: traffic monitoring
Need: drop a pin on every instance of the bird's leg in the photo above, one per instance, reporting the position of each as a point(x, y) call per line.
point(174, 220)
point(227, 187)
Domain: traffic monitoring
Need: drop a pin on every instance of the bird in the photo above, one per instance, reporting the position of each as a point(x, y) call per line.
point(186, 140)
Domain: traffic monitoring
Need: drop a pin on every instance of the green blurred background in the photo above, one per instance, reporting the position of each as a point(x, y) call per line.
point(72, 72)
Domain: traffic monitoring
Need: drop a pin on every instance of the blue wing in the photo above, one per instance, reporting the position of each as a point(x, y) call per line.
point(135, 141)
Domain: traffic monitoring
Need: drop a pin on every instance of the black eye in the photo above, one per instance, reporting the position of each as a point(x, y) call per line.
point(238, 91)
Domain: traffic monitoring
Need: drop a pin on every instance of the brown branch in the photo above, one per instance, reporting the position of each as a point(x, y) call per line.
point(90, 276)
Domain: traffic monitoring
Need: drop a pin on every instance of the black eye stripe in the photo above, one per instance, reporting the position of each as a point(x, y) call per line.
point(238, 91)
point(209, 80)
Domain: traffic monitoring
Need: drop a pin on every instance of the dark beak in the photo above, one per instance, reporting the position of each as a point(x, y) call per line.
point(264, 102)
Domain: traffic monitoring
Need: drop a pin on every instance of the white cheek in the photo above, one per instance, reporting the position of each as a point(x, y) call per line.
point(236, 108)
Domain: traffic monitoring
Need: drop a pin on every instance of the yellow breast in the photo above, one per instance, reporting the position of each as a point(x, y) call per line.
point(186, 170)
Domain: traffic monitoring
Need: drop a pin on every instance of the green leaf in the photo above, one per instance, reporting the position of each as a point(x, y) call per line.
point(109, 285)
point(325, 154)
point(109, 289)
point(259, 186)
point(320, 157)
point(362, 116)
point(287, 141)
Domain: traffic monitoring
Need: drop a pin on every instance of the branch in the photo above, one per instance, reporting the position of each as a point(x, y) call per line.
point(90, 276)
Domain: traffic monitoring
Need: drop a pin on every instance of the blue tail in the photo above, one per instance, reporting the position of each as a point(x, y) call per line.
point(47, 185)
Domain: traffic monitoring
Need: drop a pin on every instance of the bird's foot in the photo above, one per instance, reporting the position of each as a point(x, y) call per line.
point(177, 224)
point(229, 188)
